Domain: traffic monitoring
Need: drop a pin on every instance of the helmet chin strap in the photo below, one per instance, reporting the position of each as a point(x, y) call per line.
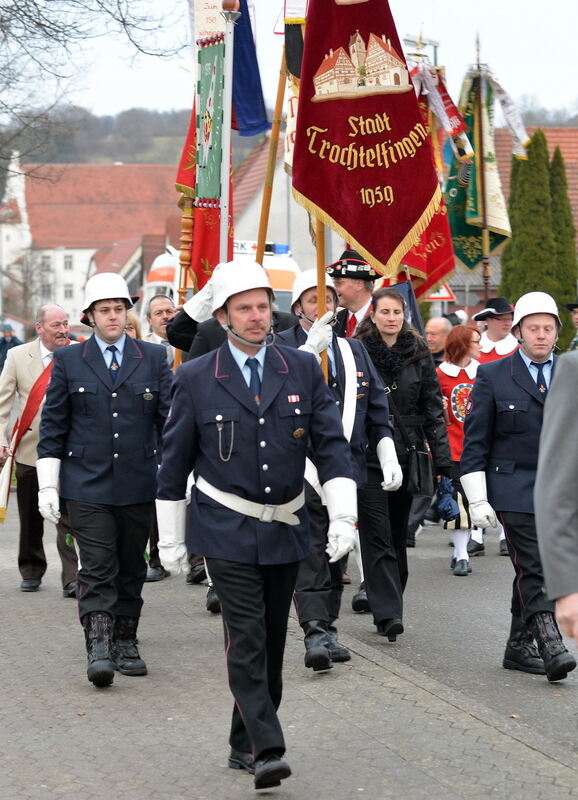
point(267, 341)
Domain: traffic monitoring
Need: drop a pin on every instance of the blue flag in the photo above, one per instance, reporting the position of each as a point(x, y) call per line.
point(248, 103)
point(413, 316)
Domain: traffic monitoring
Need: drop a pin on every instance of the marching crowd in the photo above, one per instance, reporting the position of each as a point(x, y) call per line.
point(268, 475)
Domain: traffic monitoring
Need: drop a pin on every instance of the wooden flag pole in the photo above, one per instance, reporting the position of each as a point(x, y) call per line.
point(185, 258)
point(321, 303)
point(482, 172)
point(272, 162)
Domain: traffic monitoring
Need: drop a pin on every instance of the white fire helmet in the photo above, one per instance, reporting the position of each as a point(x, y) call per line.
point(105, 286)
point(228, 278)
point(535, 303)
point(308, 280)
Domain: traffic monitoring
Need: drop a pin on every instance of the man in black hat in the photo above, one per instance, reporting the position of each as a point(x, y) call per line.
point(497, 340)
point(353, 278)
point(573, 309)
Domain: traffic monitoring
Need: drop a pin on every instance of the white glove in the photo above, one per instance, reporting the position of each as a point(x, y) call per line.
point(48, 471)
point(200, 306)
point(319, 335)
point(392, 473)
point(171, 519)
point(481, 512)
point(341, 497)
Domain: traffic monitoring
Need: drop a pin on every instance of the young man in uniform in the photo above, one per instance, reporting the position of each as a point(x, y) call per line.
point(360, 397)
point(498, 465)
point(242, 417)
point(107, 400)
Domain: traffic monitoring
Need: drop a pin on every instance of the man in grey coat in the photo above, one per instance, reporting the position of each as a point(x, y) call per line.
point(555, 495)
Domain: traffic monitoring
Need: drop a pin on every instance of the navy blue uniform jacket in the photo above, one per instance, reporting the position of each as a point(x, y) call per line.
point(105, 434)
point(371, 410)
point(502, 432)
point(256, 452)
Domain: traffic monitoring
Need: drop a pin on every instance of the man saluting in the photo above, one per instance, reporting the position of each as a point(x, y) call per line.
point(242, 418)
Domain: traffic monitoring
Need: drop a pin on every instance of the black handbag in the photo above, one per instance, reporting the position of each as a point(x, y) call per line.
point(419, 474)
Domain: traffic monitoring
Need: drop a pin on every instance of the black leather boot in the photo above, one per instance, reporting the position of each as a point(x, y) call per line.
point(359, 601)
point(98, 634)
point(558, 662)
point(521, 651)
point(124, 650)
point(317, 645)
point(337, 651)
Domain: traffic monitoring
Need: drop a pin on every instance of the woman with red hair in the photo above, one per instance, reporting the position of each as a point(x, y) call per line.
point(456, 375)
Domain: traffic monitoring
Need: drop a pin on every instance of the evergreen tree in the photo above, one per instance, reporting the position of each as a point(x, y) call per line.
point(506, 257)
point(530, 266)
point(564, 245)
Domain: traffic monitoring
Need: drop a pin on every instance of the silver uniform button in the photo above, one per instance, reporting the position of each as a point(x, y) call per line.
point(265, 467)
point(115, 455)
point(81, 388)
point(297, 410)
point(114, 394)
point(147, 389)
point(219, 417)
point(70, 452)
point(511, 406)
point(115, 413)
point(116, 435)
point(267, 490)
point(261, 421)
point(262, 444)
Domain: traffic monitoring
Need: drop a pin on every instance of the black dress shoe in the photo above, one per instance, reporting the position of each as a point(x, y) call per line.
point(213, 603)
point(270, 771)
point(30, 585)
point(196, 574)
point(359, 601)
point(390, 628)
point(69, 590)
point(522, 654)
point(240, 760)
point(453, 564)
point(476, 548)
point(504, 548)
point(462, 568)
point(156, 574)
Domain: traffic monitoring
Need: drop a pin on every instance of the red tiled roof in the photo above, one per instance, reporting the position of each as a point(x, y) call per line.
point(564, 138)
point(249, 178)
point(111, 259)
point(330, 61)
point(387, 46)
point(96, 205)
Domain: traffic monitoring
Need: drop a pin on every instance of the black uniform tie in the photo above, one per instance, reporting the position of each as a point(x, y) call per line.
point(540, 380)
point(113, 369)
point(255, 381)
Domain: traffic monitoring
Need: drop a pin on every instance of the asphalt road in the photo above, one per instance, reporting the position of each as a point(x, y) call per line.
point(456, 630)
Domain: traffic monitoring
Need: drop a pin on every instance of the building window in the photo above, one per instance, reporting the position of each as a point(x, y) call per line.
point(68, 291)
point(46, 291)
point(45, 264)
point(68, 262)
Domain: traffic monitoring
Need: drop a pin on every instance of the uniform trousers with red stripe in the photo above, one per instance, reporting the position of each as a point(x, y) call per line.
point(255, 602)
point(528, 597)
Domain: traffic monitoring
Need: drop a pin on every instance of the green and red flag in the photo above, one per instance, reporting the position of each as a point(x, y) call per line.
point(470, 210)
point(362, 162)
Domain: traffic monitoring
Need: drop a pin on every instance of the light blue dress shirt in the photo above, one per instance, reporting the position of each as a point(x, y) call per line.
point(241, 360)
point(107, 355)
point(546, 368)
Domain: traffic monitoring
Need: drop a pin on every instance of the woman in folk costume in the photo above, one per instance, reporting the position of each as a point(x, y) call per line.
point(456, 375)
point(405, 365)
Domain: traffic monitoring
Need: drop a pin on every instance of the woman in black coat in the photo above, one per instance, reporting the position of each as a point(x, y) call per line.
point(407, 370)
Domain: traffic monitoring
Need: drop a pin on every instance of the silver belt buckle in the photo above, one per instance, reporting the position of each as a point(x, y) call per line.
point(268, 513)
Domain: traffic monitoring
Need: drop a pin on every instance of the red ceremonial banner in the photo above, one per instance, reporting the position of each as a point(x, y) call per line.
point(362, 161)
point(432, 260)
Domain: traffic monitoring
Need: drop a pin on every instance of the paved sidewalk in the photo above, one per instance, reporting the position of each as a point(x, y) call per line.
point(371, 728)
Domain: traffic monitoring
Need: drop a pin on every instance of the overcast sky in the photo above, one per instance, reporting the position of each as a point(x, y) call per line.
point(529, 46)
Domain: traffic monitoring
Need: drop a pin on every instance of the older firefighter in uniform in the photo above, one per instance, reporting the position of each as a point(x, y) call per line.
point(106, 399)
point(498, 465)
point(242, 418)
point(360, 397)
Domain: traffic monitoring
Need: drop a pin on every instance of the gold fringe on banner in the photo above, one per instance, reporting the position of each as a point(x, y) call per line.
point(410, 239)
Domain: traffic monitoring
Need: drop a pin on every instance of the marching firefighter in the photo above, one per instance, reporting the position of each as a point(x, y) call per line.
point(498, 465)
point(97, 451)
point(242, 418)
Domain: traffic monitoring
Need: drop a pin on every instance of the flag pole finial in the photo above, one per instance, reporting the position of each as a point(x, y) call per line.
point(478, 48)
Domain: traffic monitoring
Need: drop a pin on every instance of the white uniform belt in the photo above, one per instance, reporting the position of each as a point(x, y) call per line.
point(261, 511)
